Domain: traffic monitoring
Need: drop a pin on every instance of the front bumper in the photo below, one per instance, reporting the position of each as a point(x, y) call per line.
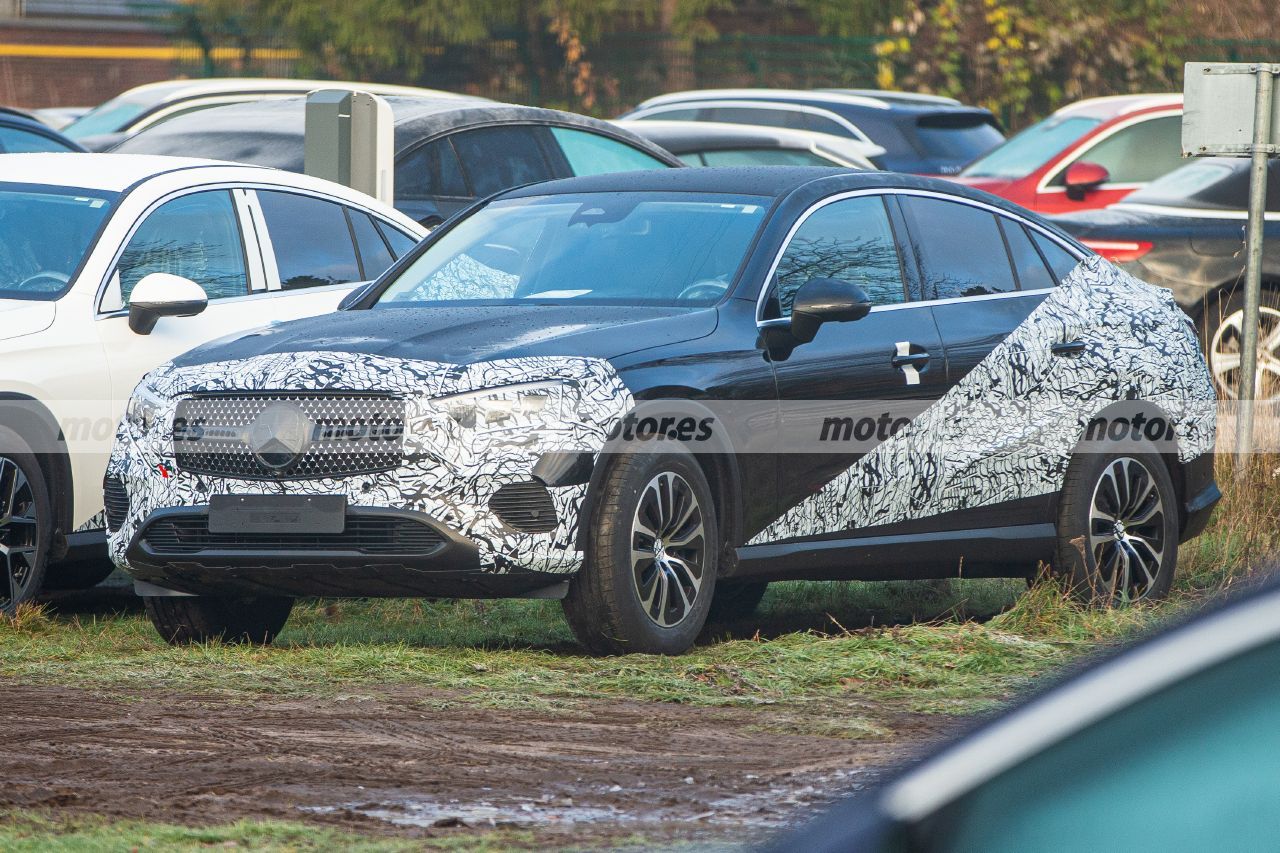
point(173, 549)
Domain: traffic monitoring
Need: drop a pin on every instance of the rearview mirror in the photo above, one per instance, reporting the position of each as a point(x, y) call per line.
point(1083, 177)
point(826, 300)
point(163, 295)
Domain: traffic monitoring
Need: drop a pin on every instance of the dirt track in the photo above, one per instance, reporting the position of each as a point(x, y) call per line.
point(414, 762)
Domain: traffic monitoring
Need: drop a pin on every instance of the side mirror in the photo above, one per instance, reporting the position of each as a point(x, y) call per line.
point(826, 300)
point(163, 295)
point(1083, 177)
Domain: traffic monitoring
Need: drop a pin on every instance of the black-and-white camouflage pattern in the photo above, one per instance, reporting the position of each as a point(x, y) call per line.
point(450, 472)
point(1007, 429)
point(1004, 432)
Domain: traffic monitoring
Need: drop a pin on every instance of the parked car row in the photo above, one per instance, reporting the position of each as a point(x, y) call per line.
point(576, 273)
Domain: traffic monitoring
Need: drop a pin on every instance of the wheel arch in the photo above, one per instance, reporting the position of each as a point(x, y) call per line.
point(718, 466)
point(1169, 449)
point(33, 421)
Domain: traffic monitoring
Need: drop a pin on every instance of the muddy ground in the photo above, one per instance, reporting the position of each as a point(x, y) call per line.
point(417, 763)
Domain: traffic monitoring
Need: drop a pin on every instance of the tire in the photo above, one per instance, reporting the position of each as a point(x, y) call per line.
point(26, 523)
point(1109, 563)
point(735, 601)
point(630, 602)
point(199, 619)
point(1220, 333)
point(78, 574)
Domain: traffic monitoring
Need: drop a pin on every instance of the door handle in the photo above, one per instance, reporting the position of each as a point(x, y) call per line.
point(910, 363)
point(1068, 348)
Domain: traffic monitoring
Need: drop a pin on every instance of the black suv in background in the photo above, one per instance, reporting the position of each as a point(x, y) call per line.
point(449, 151)
point(921, 134)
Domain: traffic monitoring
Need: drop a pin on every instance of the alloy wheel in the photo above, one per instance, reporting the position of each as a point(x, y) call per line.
point(19, 533)
point(668, 549)
point(1225, 348)
point(1126, 530)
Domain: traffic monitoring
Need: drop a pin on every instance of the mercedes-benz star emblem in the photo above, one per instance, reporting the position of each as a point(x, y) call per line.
point(280, 435)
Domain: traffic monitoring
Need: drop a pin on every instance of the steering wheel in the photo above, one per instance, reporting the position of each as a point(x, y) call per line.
point(60, 278)
point(707, 289)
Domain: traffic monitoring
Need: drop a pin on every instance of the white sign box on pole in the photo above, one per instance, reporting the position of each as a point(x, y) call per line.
point(1217, 112)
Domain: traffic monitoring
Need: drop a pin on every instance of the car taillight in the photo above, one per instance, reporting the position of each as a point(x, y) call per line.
point(1119, 251)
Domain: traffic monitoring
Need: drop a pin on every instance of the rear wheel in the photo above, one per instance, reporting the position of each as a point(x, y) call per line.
point(199, 619)
point(1222, 329)
point(650, 568)
point(1118, 527)
point(26, 523)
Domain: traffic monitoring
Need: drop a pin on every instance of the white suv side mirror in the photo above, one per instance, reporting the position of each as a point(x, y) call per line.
point(160, 294)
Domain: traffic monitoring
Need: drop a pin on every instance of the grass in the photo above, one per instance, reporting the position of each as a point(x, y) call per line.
point(950, 646)
point(21, 832)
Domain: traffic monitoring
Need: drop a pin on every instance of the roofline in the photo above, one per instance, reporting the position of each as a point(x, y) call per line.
point(1154, 100)
point(766, 95)
point(919, 97)
point(1095, 694)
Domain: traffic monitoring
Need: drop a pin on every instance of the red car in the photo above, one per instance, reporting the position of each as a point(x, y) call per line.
point(1090, 154)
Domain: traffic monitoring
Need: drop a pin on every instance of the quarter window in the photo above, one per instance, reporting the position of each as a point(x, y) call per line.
point(850, 240)
point(311, 240)
point(375, 257)
point(593, 154)
point(1032, 272)
point(499, 158)
point(960, 249)
point(197, 237)
point(1059, 259)
point(399, 242)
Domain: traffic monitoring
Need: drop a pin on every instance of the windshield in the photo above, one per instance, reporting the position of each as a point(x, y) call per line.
point(597, 248)
point(111, 117)
point(1031, 148)
point(45, 233)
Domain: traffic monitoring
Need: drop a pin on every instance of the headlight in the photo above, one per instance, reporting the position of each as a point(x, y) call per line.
point(144, 408)
point(498, 408)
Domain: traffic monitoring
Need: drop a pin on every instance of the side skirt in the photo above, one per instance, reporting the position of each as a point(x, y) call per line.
point(1007, 551)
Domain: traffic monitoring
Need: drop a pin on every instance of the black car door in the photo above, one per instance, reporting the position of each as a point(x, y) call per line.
point(982, 274)
point(852, 385)
point(964, 251)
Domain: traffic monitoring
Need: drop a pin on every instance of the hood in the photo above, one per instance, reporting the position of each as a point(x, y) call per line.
point(19, 317)
point(465, 335)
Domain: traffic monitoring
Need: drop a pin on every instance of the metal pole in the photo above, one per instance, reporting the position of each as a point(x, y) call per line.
point(1253, 266)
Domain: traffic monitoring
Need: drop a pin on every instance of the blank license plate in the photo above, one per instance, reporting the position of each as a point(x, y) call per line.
point(317, 514)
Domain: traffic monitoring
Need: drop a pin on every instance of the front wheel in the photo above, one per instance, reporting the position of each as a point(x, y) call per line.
point(199, 619)
point(650, 569)
point(1118, 527)
point(26, 523)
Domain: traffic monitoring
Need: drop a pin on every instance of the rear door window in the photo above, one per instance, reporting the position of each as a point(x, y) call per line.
point(311, 239)
point(764, 116)
point(959, 247)
point(594, 154)
point(499, 158)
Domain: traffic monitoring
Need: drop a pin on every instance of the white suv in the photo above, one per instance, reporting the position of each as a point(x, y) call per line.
point(111, 265)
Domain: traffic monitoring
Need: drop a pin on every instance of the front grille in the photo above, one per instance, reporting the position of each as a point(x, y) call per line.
point(525, 506)
point(365, 534)
point(346, 435)
point(117, 503)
